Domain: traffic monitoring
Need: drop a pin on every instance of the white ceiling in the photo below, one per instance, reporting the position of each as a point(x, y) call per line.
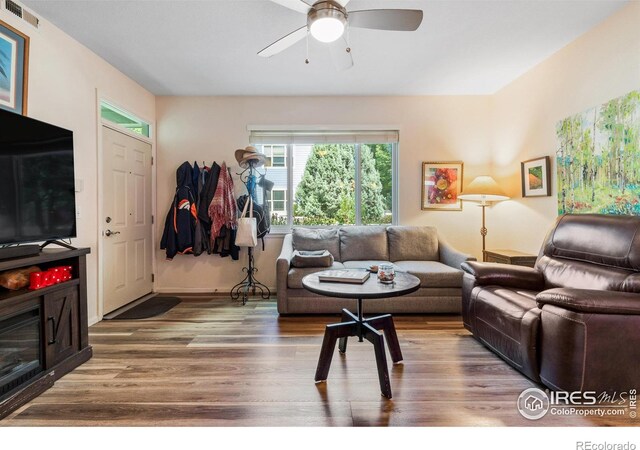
point(209, 47)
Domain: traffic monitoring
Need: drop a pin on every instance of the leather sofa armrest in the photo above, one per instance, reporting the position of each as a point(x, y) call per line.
point(591, 301)
point(506, 275)
point(282, 272)
point(452, 257)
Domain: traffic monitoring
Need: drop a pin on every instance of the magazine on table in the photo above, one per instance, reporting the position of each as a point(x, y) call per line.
point(344, 276)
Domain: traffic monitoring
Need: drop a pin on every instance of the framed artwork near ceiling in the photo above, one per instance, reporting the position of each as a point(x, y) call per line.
point(14, 69)
point(441, 185)
point(598, 159)
point(536, 177)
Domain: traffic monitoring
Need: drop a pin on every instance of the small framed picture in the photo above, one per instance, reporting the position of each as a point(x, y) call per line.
point(441, 185)
point(14, 68)
point(536, 177)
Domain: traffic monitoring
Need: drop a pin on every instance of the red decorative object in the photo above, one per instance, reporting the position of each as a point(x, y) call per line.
point(55, 275)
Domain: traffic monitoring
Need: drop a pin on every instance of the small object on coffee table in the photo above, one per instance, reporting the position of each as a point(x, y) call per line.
point(386, 273)
point(373, 268)
point(344, 276)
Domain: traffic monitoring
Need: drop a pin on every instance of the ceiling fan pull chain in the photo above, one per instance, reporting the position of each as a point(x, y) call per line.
point(348, 49)
point(306, 61)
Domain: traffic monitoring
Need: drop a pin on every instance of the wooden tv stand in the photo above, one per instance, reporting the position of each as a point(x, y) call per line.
point(60, 312)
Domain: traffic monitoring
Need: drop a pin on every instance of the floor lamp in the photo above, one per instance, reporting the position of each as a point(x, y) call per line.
point(485, 190)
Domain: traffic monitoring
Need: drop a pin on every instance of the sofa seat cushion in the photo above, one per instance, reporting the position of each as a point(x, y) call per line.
point(317, 239)
point(507, 321)
point(432, 273)
point(296, 274)
point(365, 264)
point(363, 242)
point(413, 243)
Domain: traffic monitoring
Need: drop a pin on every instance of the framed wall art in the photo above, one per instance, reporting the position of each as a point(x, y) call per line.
point(536, 177)
point(14, 69)
point(441, 185)
point(598, 169)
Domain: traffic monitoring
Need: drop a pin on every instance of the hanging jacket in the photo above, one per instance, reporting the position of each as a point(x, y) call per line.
point(181, 219)
point(223, 210)
point(206, 195)
point(201, 238)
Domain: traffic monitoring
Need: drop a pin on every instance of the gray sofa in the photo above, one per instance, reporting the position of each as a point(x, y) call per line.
point(416, 250)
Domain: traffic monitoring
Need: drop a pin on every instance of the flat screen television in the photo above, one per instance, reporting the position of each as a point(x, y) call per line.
point(37, 187)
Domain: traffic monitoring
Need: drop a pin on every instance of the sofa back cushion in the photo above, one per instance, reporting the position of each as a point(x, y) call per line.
point(606, 240)
point(413, 244)
point(363, 242)
point(317, 239)
point(592, 251)
point(559, 273)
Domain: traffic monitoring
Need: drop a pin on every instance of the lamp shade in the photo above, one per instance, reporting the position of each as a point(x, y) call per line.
point(483, 189)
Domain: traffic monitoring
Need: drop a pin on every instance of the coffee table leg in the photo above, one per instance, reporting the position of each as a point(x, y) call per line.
point(386, 324)
point(375, 337)
point(347, 316)
point(331, 334)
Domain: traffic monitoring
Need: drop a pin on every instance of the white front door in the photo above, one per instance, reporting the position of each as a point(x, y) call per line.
point(125, 219)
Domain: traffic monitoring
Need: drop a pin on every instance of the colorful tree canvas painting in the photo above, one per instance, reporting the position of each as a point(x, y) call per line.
point(598, 159)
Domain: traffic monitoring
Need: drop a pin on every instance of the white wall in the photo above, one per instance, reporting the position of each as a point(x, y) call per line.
point(63, 79)
point(601, 65)
point(212, 128)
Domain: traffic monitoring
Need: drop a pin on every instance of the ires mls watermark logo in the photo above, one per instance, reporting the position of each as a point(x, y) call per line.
point(534, 403)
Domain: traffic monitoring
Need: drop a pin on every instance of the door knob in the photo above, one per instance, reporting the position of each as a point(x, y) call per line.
point(109, 233)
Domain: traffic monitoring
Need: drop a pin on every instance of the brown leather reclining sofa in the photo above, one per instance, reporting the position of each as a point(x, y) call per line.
point(573, 322)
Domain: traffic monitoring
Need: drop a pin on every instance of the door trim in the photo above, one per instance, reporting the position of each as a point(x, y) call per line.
point(100, 188)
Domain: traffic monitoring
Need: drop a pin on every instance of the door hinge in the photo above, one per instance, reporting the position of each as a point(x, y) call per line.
point(152, 160)
point(153, 277)
point(153, 219)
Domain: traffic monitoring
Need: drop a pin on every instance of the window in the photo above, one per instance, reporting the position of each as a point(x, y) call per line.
point(124, 119)
point(331, 178)
point(276, 155)
point(278, 202)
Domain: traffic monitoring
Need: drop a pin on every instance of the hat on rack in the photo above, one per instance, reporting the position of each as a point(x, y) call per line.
point(250, 154)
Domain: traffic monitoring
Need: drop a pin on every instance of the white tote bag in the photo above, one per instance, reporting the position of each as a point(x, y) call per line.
point(247, 234)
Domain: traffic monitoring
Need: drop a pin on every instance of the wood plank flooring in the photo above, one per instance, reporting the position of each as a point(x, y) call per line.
point(212, 362)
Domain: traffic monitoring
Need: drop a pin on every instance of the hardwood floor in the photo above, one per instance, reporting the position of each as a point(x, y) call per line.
point(212, 362)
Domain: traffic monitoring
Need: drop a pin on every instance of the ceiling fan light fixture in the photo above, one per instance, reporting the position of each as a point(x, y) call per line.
point(327, 29)
point(327, 21)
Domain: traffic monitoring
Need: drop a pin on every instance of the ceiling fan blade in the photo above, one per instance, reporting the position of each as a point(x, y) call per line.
point(296, 5)
point(284, 43)
point(387, 19)
point(341, 54)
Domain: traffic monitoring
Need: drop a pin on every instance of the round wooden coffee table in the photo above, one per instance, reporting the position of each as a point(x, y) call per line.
point(357, 325)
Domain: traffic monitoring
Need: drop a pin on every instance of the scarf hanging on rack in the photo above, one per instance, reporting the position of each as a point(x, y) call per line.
point(223, 210)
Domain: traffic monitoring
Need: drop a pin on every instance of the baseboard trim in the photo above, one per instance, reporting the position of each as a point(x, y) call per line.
point(207, 291)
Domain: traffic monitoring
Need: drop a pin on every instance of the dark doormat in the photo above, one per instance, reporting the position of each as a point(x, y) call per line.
point(149, 308)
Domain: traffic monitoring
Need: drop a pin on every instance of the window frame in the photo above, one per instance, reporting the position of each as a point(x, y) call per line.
point(289, 156)
point(270, 156)
point(132, 126)
point(272, 199)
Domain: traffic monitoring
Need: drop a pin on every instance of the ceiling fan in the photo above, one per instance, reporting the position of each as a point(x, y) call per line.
point(328, 19)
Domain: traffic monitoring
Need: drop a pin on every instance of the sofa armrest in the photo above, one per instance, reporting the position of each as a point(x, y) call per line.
point(519, 277)
point(282, 272)
point(452, 257)
point(591, 301)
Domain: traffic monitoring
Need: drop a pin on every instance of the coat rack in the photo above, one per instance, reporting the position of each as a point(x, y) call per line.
point(250, 283)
